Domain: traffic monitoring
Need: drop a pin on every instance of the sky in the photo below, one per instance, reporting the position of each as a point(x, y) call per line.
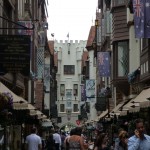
point(70, 16)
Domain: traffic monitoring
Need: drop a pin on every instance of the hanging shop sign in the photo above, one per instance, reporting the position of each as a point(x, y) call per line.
point(78, 122)
point(15, 54)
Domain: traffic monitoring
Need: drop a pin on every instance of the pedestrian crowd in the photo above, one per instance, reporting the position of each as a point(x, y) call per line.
point(77, 140)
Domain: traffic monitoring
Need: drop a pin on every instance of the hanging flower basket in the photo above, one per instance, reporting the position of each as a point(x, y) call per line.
point(6, 101)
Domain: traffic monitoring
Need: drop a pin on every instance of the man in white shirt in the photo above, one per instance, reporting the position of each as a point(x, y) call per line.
point(57, 139)
point(33, 141)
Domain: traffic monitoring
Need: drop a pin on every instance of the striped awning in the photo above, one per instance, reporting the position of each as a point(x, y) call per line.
point(18, 102)
point(103, 114)
point(141, 101)
point(46, 123)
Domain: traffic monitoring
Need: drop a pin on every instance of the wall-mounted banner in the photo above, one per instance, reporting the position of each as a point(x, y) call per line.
point(47, 77)
point(27, 24)
point(90, 88)
point(15, 54)
point(141, 10)
point(83, 93)
point(103, 62)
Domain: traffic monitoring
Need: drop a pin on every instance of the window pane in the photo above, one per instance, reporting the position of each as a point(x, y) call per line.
point(75, 89)
point(144, 43)
point(62, 89)
point(69, 105)
point(69, 94)
point(75, 107)
point(62, 108)
point(122, 58)
point(69, 69)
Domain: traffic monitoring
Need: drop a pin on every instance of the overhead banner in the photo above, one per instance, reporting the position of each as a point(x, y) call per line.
point(103, 62)
point(15, 54)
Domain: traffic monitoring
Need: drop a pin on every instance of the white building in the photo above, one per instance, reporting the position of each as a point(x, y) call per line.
point(69, 80)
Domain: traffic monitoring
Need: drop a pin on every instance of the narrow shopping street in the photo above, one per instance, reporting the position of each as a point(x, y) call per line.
point(71, 78)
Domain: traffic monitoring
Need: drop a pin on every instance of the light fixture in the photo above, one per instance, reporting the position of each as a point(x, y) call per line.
point(96, 22)
point(45, 25)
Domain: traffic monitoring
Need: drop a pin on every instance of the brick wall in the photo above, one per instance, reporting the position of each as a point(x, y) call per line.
point(39, 95)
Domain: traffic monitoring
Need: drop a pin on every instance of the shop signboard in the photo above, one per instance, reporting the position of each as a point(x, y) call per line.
point(15, 54)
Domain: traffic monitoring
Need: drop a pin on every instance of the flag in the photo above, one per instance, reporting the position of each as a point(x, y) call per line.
point(103, 61)
point(68, 35)
point(141, 9)
point(52, 34)
point(83, 93)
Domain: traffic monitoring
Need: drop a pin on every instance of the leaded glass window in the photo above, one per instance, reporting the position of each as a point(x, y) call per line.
point(122, 58)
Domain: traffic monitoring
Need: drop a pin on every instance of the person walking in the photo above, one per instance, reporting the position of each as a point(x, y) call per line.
point(57, 138)
point(63, 136)
point(101, 142)
point(66, 142)
point(122, 143)
point(33, 141)
point(50, 142)
point(139, 141)
point(76, 141)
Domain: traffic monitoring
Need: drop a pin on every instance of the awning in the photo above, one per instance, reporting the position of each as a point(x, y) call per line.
point(40, 115)
point(46, 123)
point(18, 102)
point(103, 114)
point(141, 101)
point(21, 104)
point(116, 110)
point(32, 110)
